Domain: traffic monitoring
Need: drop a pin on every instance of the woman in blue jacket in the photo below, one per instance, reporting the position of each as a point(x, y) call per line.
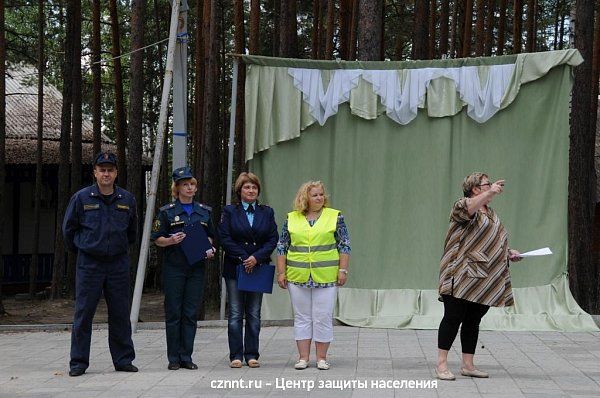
point(248, 234)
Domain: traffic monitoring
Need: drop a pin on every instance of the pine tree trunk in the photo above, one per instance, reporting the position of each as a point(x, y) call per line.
point(369, 30)
point(120, 121)
point(583, 271)
point(420, 32)
point(517, 26)
point(202, 32)
point(316, 31)
point(76, 133)
point(276, 26)
point(556, 25)
point(352, 49)
point(594, 123)
point(293, 27)
point(136, 100)
point(96, 78)
point(562, 26)
point(501, 27)
point(76, 126)
point(212, 177)
point(345, 15)
point(288, 29)
point(531, 17)
point(468, 28)
point(322, 27)
point(432, 30)
point(595, 66)
point(460, 27)
point(254, 39)
point(37, 196)
point(489, 29)
point(239, 40)
point(164, 182)
point(59, 285)
point(444, 27)
point(454, 27)
point(330, 29)
point(2, 141)
point(479, 28)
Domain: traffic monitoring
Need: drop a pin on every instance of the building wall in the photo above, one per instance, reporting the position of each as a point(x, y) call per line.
point(7, 227)
point(26, 219)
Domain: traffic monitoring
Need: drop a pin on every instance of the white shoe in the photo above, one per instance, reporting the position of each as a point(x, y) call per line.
point(322, 365)
point(474, 373)
point(301, 364)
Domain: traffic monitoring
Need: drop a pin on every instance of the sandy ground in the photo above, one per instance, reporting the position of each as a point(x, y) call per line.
point(27, 312)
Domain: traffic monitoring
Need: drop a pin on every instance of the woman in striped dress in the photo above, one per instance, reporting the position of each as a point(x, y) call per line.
point(474, 274)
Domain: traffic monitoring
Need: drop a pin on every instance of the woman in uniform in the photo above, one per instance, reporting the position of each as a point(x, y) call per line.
point(183, 282)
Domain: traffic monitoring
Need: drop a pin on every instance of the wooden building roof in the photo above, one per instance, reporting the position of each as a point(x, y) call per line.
point(21, 121)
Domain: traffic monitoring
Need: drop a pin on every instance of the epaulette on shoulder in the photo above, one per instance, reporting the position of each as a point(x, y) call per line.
point(264, 205)
point(205, 206)
point(167, 207)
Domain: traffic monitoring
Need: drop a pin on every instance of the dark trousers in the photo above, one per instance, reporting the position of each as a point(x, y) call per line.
point(456, 312)
point(243, 304)
point(92, 278)
point(183, 286)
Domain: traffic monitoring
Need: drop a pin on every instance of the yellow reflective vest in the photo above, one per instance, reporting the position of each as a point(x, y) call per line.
point(313, 250)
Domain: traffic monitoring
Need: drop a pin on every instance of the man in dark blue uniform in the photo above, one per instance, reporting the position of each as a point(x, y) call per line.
point(100, 223)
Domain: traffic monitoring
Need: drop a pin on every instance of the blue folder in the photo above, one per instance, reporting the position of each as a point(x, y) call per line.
point(260, 280)
point(195, 244)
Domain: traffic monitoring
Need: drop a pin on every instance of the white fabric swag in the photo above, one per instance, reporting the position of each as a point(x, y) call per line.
point(323, 104)
point(403, 91)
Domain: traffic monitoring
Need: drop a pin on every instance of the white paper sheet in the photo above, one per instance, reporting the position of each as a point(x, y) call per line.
point(539, 252)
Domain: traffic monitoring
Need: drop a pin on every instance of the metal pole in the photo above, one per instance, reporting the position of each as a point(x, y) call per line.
point(180, 90)
point(234, 84)
point(158, 150)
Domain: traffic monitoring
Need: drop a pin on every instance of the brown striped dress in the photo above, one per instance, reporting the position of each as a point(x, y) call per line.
point(474, 266)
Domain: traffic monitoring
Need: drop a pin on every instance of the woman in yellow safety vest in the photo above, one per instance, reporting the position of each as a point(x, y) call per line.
point(313, 257)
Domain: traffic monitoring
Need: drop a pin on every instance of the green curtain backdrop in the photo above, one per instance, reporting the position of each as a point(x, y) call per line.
point(395, 185)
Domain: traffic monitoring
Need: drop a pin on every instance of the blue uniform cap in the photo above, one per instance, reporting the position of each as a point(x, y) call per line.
point(105, 157)
point(182, 173)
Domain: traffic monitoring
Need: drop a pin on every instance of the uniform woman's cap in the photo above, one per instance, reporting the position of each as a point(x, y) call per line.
point(105, 157)
point(182, 173)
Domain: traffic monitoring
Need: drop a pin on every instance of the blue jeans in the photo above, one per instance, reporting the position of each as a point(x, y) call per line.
point(243, 304)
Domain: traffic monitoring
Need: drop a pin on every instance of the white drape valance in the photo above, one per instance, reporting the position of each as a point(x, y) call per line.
point(285, 96)
point(482, 88)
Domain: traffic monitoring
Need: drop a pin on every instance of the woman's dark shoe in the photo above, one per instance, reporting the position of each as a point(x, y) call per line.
point(189, 365)
point(173, 366)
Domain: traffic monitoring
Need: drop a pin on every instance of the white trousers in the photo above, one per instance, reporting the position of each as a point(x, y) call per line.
point(313, 312)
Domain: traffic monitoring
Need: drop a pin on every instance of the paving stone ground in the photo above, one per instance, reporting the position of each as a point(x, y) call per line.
point(521, 364)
